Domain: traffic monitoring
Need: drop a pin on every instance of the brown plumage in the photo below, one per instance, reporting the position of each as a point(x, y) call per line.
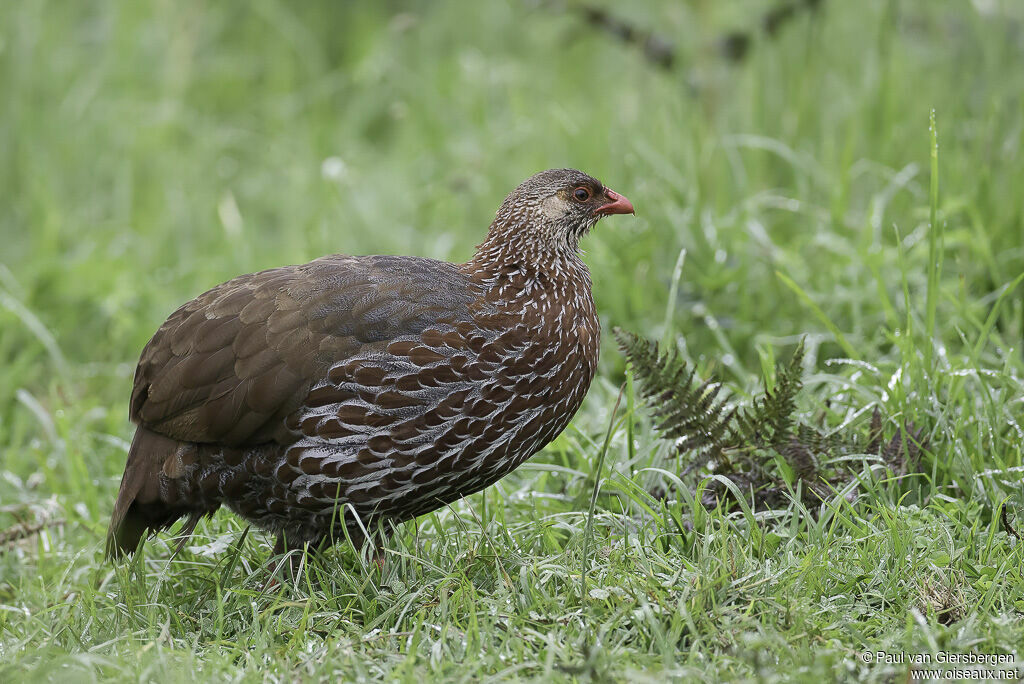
point(352, 391)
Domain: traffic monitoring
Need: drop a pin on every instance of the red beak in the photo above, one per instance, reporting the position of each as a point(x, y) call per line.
point(617, 204)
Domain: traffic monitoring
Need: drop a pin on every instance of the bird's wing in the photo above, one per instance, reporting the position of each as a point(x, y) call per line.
point(229, 365)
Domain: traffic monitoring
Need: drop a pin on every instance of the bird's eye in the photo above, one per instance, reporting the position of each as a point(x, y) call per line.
point(581, 194)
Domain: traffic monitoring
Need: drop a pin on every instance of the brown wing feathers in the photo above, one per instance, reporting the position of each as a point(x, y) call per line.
point(228, 367)
point(218, 371)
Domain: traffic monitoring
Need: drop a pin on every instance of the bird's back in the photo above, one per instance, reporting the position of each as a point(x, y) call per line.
point(226, 369)
point(383, 387)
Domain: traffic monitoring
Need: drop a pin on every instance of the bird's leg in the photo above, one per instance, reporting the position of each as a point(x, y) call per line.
point(295, 553)
point(278, 567)
point(378, 539)
point(375, 536)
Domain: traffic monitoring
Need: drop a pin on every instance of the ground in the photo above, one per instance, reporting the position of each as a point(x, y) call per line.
point(151, 150)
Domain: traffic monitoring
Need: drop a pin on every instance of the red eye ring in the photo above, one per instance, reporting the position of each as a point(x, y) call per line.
point(581, 194)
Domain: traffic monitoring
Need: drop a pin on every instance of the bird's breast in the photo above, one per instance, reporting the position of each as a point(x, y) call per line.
point(442, 413)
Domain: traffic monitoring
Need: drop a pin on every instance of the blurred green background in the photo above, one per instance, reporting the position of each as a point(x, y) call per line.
point(150, 150)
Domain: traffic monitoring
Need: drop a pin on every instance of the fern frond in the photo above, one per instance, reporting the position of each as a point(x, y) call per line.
point(769, 421)
point(684, 410)
point(763, 449)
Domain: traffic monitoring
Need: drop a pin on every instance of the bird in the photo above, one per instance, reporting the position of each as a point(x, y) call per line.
point(335, 399)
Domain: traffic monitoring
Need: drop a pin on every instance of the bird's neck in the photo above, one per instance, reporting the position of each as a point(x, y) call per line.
point(524, 251)
point(546, 286)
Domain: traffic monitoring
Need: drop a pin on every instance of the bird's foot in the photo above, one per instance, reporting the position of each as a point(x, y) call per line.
point(285, 564)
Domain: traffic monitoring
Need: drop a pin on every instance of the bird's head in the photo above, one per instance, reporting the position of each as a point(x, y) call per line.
point(555, 208)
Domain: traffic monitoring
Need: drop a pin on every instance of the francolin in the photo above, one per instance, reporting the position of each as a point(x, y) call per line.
point(354, 391)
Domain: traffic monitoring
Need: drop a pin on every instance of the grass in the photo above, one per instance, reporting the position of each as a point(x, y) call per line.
point(151, 150)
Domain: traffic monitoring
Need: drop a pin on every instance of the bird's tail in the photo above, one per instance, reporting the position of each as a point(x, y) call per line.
point(145, 502)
